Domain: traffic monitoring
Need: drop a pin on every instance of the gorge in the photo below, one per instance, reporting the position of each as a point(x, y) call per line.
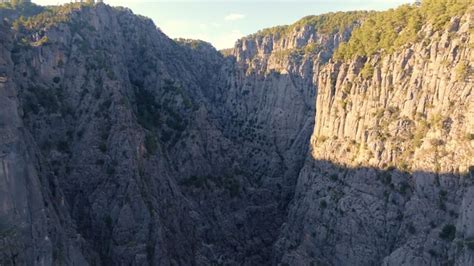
point(343, 139)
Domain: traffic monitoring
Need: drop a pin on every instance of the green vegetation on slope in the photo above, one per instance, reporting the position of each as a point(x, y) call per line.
point(324, 24)
point(392, 29)
point(45, 17)
point(19, 8)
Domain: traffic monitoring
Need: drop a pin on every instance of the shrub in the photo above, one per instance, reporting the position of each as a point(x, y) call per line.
point(151, 144)
point(147, 109)
point(323, 204)
point(108, 221)
point(63, 146)
point(234, 189)
point(105, 105)
point(368, 71)
point(43, 97)
point(470, 136)
point(404, 187)
point(321, 139)
point(448, 232)
point(420, 133)
point(411, 229)
point(462, 71)
point(80, 133)
point(470, 245)
point(195, 181)
point(469, 242)
point(433, 253)
point(111, 170)
point(436, 142)
point(441, 199)
point(386, 177)
point(103, 147)
point(166, 136)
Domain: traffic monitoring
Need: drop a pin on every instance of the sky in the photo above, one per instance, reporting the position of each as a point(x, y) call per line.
point(222, 22)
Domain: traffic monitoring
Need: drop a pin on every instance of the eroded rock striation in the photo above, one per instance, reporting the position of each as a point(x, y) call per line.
point(122, 146)
point(410, 117)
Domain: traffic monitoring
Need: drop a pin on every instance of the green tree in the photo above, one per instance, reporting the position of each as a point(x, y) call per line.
point(448, 232)
point(387, 31)
point(462, 71)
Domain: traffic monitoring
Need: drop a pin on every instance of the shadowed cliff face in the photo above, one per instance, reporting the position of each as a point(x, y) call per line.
point(166, 151)
point(344, 215)
point(142, 150)
point(35, 219)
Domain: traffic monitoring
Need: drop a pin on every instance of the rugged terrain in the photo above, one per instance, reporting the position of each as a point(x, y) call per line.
point(122, 146)
point(400, 139)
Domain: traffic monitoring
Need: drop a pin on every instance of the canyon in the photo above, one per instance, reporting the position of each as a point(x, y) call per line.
point(121, 146)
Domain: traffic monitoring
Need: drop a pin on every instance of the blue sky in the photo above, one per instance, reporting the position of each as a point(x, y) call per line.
point(222, 22)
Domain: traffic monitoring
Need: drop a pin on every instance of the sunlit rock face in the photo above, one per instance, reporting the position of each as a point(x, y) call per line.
point(411, 119)
point(126, 147)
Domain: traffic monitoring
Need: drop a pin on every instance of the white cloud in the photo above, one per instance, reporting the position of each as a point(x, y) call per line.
point(234, 16)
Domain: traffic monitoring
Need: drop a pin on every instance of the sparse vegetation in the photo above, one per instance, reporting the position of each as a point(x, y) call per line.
point(433, 253)
point(469, 136)
point(103, 147)
point(63, 146)
point(151, 144)
point(323, 204)
point(404, 187)
point(420, 133)
point(448, 232)
point(227, 182)
point(25, 9)
point(368, 71)
point(34, 17)
point(326, 24)
point(389, 30)
point(148, 114)
point(442, 199)
point(386, 177)
point(469, 243)
point(41, 97)
point(462, 71)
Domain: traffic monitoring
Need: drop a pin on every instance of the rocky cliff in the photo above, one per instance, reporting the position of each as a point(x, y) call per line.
point(166, 152)
point(36, 227)
point(126, 147)
point(388, 179)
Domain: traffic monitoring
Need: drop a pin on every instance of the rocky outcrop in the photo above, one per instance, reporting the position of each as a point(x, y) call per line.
point(407, 114)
